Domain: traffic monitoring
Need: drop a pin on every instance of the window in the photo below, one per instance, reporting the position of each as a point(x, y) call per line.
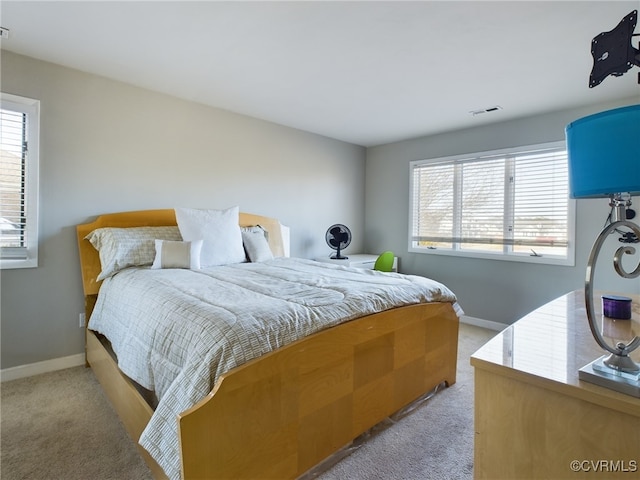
point(509, 205)
point(19, 130)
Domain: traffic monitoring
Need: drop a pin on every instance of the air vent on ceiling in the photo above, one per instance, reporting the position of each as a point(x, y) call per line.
point(495, 108)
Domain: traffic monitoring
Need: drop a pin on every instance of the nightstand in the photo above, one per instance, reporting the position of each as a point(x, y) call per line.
point(357, 260)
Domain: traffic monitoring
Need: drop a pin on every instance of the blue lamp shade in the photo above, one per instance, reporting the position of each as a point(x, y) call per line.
point(604, 153)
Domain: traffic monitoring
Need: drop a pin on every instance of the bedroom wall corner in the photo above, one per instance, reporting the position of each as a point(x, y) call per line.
point(494, 290)
point(108, 146)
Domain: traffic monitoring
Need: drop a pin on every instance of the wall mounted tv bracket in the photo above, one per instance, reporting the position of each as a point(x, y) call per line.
point(613, 53)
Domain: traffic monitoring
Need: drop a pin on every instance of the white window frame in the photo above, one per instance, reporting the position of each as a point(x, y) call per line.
point(26, 256)
point(507, 252)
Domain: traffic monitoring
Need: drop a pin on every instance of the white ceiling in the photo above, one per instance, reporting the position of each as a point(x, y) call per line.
point(366, 72)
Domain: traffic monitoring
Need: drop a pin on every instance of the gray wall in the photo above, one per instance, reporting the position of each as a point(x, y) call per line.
point(108, 146)
point(495, 290)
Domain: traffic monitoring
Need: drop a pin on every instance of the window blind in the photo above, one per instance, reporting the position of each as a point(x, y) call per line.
point(13, 166)
point(512, 202)
point(19, 164)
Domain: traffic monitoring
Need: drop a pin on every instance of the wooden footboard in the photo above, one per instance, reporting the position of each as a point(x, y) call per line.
point(281, 414)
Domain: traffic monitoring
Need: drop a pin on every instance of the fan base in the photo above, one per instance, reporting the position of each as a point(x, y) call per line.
point(339, 257)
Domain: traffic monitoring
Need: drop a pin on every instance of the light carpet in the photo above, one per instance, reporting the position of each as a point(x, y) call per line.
point(60, 426)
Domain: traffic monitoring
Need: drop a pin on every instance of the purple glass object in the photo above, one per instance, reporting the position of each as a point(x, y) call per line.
point(614, 306)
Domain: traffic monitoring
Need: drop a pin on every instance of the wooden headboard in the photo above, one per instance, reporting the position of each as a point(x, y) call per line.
point(90, 260)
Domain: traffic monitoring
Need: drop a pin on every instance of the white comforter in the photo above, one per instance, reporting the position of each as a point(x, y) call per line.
point(176, 331)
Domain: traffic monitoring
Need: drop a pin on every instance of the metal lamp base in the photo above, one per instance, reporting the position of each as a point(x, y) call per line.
point(601, 374)
point(623, 364)
point(616, 371)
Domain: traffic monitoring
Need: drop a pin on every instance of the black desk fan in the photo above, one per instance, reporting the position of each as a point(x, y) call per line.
point(338, 237)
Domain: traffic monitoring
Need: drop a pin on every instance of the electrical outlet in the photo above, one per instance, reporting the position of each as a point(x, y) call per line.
point(4, 32)
point(82, 319)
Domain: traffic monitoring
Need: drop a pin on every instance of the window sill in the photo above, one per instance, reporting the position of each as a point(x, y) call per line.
point(539, 260)
point(15, 263)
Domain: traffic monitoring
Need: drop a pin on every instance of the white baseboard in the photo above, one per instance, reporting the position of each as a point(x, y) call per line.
point(479, 322)
point(22, 371)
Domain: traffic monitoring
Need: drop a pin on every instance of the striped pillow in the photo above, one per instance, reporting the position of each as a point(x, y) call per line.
point(121, 248)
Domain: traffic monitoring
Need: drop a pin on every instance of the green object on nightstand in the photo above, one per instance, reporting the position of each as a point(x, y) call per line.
point(384, 263)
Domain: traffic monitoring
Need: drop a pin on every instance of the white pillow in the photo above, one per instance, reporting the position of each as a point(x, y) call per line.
point(219, 232)
point(171, 254)
point(256, 244)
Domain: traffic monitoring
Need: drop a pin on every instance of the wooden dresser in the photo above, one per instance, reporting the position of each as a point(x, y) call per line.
point(535, 419)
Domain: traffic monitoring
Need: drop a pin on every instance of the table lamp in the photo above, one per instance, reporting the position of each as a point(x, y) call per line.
point(604, 161)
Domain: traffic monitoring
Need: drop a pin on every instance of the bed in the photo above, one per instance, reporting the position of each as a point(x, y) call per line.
point(283, 412)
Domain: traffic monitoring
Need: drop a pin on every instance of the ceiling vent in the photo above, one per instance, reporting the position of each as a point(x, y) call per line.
point(495, 108)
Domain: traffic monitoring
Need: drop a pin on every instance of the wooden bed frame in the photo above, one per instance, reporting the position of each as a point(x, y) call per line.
point(281, 414)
